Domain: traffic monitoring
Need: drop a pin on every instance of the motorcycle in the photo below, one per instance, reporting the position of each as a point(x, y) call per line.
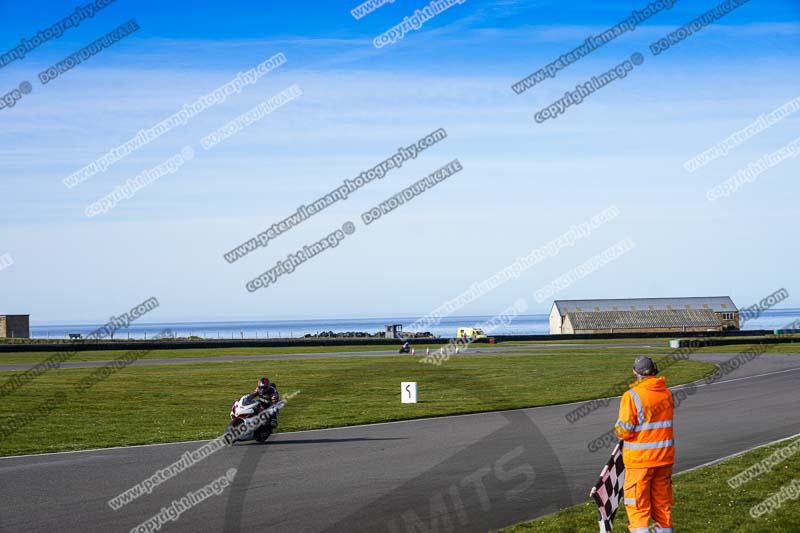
point(252, 419)
point(405, 349)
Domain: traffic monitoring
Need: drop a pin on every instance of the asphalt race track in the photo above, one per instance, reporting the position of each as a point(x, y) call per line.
point(508, 350)
point(469, 473)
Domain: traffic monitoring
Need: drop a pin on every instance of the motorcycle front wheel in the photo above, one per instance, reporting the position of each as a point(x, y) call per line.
point(231, 426)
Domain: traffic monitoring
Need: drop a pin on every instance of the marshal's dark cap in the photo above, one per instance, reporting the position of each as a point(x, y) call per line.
point(644, 366)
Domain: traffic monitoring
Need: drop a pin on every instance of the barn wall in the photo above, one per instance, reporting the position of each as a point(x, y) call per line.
point(555, 321)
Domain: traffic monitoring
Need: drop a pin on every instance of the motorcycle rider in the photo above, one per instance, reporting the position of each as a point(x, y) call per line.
point(406, 347)
point(267, 393)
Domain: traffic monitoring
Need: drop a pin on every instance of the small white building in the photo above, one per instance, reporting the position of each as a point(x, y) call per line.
point(394, 331)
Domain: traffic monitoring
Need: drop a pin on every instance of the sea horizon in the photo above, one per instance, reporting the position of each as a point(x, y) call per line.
point(529, 324)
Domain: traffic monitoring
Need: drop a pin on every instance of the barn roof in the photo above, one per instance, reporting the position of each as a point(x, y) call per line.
point(718, 304)
point(643, 319)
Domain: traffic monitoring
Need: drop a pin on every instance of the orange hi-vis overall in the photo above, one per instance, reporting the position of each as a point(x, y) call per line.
point(645, 424)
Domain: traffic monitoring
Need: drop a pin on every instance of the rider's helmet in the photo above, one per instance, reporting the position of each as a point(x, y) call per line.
point(263, 386)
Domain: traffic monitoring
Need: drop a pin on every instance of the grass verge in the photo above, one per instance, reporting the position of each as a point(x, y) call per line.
point(703, 501)
point(149, 404)
point(33, 358)
point(107, 355)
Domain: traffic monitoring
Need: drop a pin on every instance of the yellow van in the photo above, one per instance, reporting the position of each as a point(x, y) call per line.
point(471, 333)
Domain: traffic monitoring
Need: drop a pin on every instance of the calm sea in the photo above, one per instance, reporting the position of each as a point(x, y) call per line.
point(261, 329)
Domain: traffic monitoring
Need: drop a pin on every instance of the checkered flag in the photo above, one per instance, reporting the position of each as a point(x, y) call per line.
point(608, 492)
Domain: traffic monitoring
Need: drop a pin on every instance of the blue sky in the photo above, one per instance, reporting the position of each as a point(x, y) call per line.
point(522, 185)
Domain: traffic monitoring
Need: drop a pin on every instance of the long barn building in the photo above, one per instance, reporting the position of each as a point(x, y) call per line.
point(644, 315)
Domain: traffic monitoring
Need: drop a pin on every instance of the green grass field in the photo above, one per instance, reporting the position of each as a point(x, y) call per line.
point(565, 339)
point(148, 404)
point(703, 501)
point(105, 355)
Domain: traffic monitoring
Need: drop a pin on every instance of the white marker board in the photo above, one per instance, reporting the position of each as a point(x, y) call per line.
point(408, 392)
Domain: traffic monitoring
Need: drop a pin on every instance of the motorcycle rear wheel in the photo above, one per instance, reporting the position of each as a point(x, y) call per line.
point(263, 433)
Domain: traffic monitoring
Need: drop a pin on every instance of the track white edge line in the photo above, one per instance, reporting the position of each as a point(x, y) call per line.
point(737, 454)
